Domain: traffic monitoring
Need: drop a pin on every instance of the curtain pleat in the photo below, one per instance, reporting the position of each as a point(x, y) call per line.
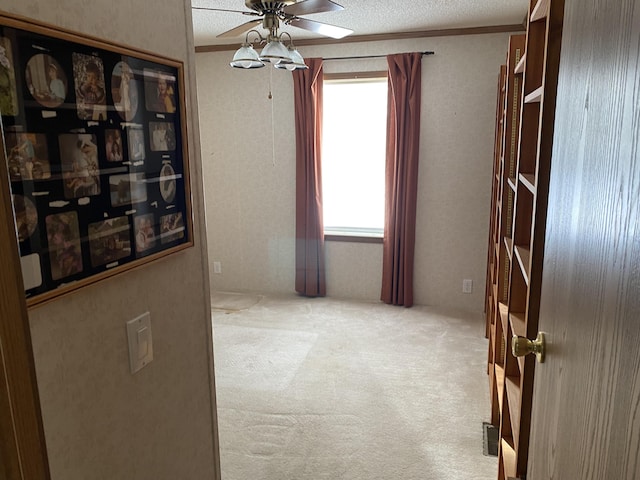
point(310, 265)
point(403, 144)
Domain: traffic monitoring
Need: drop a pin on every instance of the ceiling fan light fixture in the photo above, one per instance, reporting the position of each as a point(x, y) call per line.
point(276, 52)
point(246, 57)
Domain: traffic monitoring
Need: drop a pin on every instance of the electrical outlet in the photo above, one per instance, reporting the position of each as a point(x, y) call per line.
point(217, 267)
point(467, 285)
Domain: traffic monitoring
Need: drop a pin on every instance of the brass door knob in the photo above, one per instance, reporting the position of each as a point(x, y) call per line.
point(521, 346)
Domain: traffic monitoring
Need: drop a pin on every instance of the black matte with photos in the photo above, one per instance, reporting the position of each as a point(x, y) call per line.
point(95, 155)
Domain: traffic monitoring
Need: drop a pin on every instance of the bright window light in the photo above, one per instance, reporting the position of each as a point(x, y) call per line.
point(354, 142)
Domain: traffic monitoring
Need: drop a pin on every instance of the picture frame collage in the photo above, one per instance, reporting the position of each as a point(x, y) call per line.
point(94, 143)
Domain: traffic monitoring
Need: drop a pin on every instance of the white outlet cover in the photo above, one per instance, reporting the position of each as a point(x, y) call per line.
point(140, 342)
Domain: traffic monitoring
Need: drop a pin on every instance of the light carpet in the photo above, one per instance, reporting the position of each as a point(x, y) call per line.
point(329, 389)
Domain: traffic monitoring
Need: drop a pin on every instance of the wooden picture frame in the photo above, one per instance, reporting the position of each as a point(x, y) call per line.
point(96, 151)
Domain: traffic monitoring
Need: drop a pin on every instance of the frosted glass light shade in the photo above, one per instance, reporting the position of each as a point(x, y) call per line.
point(275, 51)
point(246, 57)
point(297, 62)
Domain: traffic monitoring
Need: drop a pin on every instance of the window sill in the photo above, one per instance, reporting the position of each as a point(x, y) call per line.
point(353, 238)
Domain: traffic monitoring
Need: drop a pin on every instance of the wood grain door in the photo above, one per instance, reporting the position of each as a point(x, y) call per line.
point(586, 402)
point(22, 445)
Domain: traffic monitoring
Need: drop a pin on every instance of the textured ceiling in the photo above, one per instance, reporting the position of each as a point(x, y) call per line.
point(367, 17)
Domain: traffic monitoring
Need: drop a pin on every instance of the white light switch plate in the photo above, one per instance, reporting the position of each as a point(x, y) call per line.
point(140, 342)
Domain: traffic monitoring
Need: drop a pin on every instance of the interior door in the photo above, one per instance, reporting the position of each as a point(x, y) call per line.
point(22, 445)
point(585, 422)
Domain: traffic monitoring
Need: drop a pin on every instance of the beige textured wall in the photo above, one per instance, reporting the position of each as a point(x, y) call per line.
point(100, 421)
point(250, 181)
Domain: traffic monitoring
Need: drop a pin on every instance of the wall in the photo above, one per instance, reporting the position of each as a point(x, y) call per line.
point(100, 421)
point(250, 179)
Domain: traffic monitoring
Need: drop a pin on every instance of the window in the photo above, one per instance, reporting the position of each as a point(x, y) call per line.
point(353, 154)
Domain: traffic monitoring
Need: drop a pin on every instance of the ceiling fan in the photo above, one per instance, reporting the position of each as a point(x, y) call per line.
point(289, 12)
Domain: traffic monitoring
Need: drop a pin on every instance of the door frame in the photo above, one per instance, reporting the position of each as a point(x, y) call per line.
point(23, 453)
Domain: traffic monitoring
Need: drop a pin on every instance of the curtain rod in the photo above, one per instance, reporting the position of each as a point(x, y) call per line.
point(367, 56)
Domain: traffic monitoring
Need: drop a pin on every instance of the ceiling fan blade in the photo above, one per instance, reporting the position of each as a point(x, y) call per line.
point(307, 7)
point(240, 29)
point(321, 28)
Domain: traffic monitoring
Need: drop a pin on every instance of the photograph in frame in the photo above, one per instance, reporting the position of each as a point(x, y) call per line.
point(163, 136)
point(159, 91)
point(135, 139)
point(113, 148)
point(124, 91)
point(127, 189)
point(8, 90)
point(171, 227)
point(144, 233)
point(46, 80)
point(63, 235)
point(168, 183)
point(80, 169)
point(26, 216)
point(91, 94)
point(27, 156)
point(109, 240)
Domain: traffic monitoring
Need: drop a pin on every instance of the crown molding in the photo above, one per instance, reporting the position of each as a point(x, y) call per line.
point(382, 37)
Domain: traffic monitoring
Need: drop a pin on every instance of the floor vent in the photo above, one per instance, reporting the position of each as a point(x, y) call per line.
point(489, 440)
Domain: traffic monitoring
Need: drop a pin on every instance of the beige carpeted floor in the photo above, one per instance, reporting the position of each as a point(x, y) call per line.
point(312, 389)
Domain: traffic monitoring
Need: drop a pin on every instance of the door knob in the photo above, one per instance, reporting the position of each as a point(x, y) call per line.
point(521, 346)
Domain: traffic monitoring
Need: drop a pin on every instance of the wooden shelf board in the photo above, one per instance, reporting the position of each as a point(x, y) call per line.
point(535, 96)
point(499, 379)
point(522, 254)
point(518, 325)
point(508, 457)
point(504, 316)
point(491, 376)
point(512, 183)
point(521, 364)
point(508, 243)
point(540, 11)
point(512, 385)
point(529, 181)
point(520, 66)
point(519, 328)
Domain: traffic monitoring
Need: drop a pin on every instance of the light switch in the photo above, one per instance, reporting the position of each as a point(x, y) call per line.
point(143, 343)
point(140, 342)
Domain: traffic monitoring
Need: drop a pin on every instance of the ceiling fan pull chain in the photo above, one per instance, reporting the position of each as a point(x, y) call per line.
point(273, 122)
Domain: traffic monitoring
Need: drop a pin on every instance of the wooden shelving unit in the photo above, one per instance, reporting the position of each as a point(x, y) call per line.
point(522, 160)
point(500, 239)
